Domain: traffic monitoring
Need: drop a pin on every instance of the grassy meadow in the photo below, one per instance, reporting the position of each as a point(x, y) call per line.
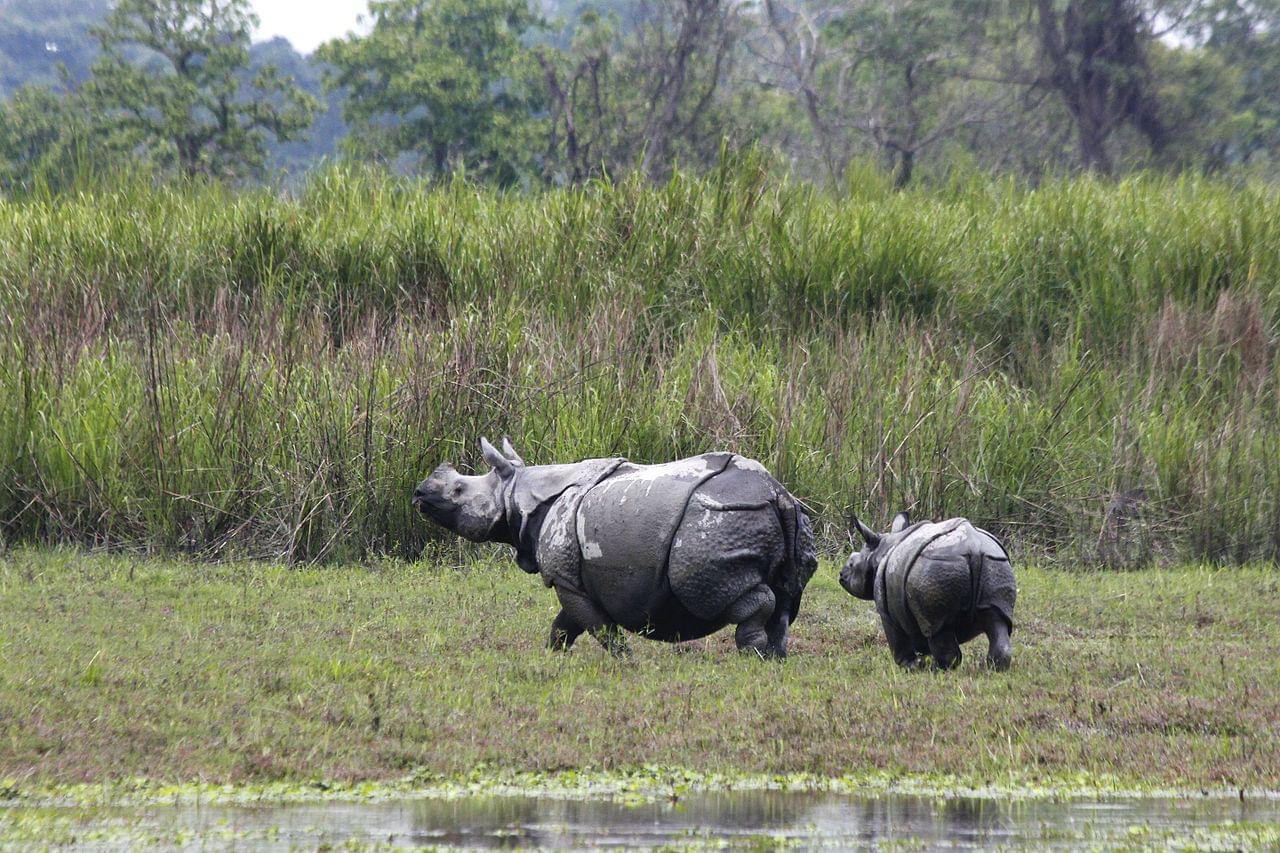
point(214, 406)
point(248, 375)
point(115, 668)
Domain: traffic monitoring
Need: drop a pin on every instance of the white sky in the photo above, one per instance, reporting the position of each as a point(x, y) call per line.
point(307, 23)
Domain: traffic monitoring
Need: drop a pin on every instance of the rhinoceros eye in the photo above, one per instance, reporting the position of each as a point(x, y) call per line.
point(457, 490)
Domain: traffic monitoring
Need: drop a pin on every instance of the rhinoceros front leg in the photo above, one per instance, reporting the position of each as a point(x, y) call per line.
point(751, 614)
point(583, 613)
point(564, 630)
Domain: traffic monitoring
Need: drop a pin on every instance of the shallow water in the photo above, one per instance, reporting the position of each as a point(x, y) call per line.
point(754, 818)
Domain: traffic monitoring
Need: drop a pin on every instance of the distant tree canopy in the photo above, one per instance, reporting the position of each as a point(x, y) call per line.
point(449, 81)
point(40, 131)
point(169, 81)
point(539, 92)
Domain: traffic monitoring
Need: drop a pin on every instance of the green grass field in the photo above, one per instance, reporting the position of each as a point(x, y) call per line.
point(114, 667)
point(247, 385)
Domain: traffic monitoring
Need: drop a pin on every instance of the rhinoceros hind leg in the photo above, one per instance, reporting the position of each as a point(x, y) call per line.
point(610, 636)
point(904, 650)
point(751, 614)
point(584, 613)
point(779, 627)
point(945, 649)
point(564, 630)
point(999, 651)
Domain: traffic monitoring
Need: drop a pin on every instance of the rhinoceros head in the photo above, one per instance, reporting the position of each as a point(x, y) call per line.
point(473, 506)
point(859, 573)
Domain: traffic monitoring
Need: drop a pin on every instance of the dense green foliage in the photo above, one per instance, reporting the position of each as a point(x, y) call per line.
point(552, 92)
point(446, 81)
point(220, 372)
point(169, 84)
point(46, 141)
point(153, 86)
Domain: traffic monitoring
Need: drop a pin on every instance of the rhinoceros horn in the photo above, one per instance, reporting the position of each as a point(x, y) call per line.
point(868, 535)
point(500, 463)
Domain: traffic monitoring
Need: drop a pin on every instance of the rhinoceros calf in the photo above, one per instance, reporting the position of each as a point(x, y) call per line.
point(671, 552)
point(936, 585)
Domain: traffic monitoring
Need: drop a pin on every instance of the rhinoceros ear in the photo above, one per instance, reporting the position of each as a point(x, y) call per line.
point(868, 535)
point(900, 522)
point(510, 452)
point(500, 463)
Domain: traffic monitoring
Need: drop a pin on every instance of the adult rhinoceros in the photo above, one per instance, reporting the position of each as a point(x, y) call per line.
point(671, 552)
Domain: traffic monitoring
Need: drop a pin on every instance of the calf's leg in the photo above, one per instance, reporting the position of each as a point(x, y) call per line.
point(904, 650)
point(999, 649)
point(751, 614)
point(945, 649)
point(583, 612)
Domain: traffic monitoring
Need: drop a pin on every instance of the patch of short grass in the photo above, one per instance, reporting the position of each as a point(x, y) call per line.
point(113, 667)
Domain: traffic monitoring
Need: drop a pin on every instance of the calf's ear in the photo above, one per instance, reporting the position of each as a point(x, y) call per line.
point(510, 452)
point(900, 522)
point(868, 535)
point(500, 463)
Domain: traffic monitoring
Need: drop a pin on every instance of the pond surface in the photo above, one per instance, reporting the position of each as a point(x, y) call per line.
point(758, 819)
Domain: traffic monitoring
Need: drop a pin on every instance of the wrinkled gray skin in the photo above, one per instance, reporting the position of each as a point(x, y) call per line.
point(926, 598)
point(672, 552)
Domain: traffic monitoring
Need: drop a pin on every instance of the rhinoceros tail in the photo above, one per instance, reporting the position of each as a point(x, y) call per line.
point(802, 551)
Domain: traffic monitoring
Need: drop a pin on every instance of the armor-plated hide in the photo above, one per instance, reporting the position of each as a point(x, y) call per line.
point(665, 549)
point(673, 551)
point(939, 570)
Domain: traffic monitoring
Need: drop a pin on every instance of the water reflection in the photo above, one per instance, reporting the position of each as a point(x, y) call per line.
point(802, 818)
point(754, 818)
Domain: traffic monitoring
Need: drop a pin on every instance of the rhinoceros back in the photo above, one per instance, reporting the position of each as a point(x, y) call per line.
point(939, 566)
point(625, 526)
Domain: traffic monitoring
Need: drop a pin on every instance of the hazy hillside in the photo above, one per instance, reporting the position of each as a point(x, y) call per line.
point(38, 35)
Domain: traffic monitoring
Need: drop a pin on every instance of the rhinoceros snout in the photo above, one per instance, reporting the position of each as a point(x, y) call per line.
point(846, 579)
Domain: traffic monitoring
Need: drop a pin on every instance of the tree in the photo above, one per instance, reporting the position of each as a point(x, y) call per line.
point(580, 135)
point(1239, 43)
point(796, 57)
point(1093, 54)
point(653, 90)
point(681, 51)
point(902, 73)
point(1201, 98)
point(171, 79)
point(645, 92)
point(447, 80)
point(40, 131)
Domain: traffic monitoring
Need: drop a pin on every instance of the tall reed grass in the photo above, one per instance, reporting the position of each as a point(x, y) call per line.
point(240, 372)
